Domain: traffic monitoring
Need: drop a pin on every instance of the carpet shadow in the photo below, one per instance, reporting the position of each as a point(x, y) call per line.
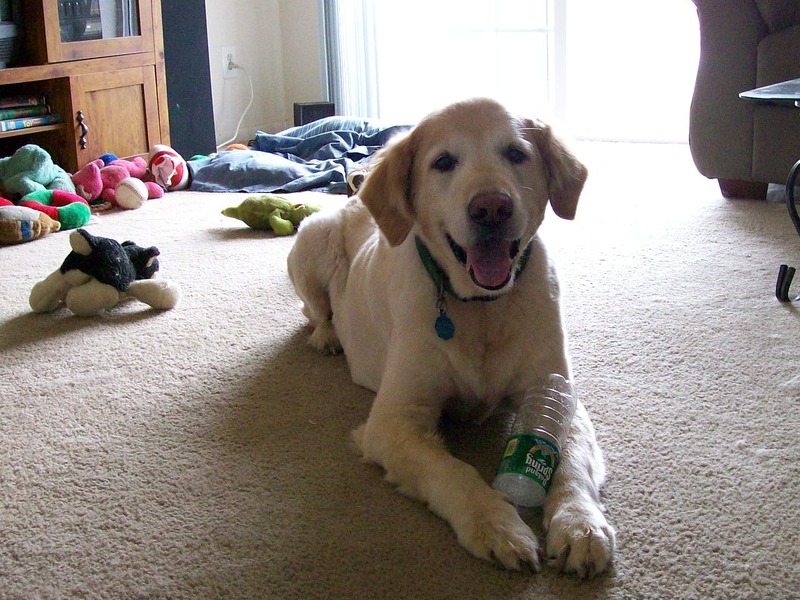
point(767, 221)
point(330, 522)
point(32, 328)
point(226, 234)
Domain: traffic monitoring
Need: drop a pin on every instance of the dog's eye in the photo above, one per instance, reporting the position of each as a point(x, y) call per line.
point(514, 155)
point(445, 163)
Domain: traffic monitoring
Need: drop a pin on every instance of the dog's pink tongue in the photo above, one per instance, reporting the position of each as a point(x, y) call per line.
point(490, 264)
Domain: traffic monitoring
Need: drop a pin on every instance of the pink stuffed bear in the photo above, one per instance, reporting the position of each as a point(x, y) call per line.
point(96, 182)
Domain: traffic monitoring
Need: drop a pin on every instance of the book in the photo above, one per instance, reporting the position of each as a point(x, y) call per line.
point(22, 100)
point(24, 111)
point(24, 123)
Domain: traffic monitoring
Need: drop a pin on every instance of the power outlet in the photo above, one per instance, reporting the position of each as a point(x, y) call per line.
point(229, 59)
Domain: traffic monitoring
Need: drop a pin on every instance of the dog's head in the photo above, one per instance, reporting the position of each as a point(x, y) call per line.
point(473, 182)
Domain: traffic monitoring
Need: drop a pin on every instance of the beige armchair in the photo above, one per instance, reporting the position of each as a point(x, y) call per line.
point(742, 143)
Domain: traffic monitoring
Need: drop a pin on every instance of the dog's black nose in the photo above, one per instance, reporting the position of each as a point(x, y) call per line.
point(490, 209)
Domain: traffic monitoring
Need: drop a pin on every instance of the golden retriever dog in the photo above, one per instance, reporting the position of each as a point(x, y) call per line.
point(435, 284)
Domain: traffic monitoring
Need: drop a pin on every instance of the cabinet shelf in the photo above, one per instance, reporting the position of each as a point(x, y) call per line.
point(32, 130)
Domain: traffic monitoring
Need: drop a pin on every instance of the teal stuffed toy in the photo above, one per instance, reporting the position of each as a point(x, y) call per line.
point(31, 169)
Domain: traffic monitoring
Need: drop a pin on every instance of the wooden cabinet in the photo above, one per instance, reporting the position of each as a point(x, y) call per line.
point(100, 63)
point(114, 107)
point(78, 29)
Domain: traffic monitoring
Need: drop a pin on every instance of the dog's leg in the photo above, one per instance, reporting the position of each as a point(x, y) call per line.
point(313, 262)
point(401, 437)
point(579, 538)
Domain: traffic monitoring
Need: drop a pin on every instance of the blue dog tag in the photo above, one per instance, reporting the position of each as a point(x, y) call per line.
point(444, 326)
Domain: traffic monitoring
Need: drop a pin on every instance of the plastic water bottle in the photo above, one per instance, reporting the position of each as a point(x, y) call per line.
point(538, 433)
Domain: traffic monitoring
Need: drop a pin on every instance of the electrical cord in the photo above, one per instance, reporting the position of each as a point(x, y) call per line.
point(246, 108)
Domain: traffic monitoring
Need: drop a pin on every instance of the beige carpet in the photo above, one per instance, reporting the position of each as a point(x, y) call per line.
point(203, 452)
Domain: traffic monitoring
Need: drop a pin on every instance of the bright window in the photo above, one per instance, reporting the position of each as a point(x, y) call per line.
point(631, 67)
point(620, 69)
point(432, 52)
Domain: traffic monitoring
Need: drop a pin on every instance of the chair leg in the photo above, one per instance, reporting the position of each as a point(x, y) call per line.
point(744, 190)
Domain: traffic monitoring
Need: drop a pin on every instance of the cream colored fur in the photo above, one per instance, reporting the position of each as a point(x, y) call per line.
point(366, 291)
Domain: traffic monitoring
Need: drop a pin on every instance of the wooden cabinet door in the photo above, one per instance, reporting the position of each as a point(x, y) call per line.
point(49, 44)
point(119, 111)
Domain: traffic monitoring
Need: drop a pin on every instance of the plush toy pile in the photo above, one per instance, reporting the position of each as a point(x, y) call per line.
point(32, 185)
point(110, 183)
point(99, 273)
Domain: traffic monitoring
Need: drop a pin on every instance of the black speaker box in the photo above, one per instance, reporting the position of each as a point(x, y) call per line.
point(307, 112)
point(191, 113)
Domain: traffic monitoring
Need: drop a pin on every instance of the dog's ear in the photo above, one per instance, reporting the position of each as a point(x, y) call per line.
point(565, 173)
point(387, 190)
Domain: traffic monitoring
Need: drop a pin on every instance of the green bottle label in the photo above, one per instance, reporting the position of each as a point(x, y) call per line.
point(531, 456)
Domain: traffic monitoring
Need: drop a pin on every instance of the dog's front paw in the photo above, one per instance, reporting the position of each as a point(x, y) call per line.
point(324, 339)
point(580, 540)
point(495, 530)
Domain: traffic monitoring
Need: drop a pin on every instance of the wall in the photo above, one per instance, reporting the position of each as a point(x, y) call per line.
point(303, 61)
point(278, 43)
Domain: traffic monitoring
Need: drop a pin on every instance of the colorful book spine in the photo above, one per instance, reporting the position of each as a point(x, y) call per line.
point(14, 124)
point(24, 111)
point(12, 101)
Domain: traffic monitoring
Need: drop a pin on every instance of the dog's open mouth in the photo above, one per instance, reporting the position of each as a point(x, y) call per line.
point(489, 262)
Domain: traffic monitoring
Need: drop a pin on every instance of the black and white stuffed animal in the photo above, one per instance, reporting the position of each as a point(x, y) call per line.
point(99, 273)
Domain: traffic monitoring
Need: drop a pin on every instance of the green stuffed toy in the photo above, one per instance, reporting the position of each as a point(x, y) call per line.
point(31, 169)
point(69, 209)
point(269, 211)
